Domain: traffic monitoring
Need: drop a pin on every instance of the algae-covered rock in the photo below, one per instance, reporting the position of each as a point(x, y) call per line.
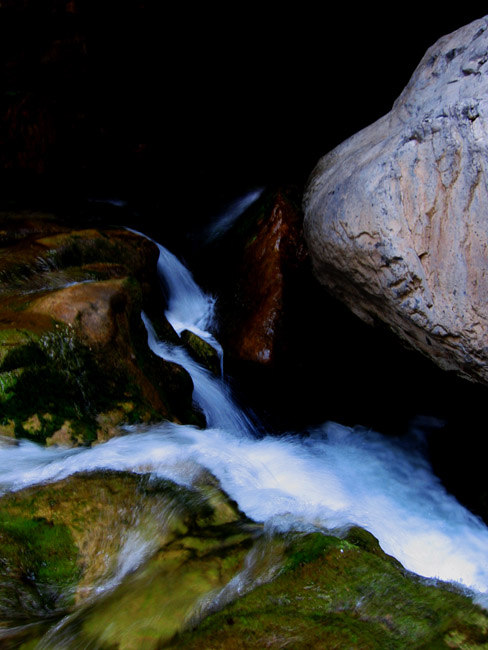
point(74, 359)
point(113, 547)
point(133, 562)
point(342, 593)
point(201, 351)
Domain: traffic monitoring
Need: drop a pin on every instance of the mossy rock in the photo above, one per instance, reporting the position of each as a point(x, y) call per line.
point(159, 600)
point(38, 253)
point(64, 544)
point(201, 351)
point(12, 338)
point(46, 382)
point(214, 580)
point(333, 593)
point(39, 569)
point(73, 349)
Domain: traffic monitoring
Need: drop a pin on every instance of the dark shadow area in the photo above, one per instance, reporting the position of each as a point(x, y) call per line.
point(176, 111)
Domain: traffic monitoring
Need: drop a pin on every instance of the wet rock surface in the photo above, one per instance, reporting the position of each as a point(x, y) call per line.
point(265, 251)
point(136, 546)
point(201, 351)
point(74, 360)
point(188, 570)
point(342, 593)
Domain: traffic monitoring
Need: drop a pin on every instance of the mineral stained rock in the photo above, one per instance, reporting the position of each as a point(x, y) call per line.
point(74, 359)
point(396, 216)
point(267, 251)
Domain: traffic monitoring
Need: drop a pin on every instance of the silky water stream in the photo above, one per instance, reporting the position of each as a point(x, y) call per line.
point(323, 479)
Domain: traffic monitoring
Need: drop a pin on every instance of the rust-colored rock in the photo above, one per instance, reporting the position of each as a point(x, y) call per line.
point(272, 250)
point(91, 307)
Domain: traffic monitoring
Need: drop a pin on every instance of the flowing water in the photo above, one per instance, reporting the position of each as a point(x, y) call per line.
point(224, 221)
point(328, 478)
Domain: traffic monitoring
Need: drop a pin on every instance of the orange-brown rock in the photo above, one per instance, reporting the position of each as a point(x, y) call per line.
point(74, 359)
point(268, 257)
point(91, 307)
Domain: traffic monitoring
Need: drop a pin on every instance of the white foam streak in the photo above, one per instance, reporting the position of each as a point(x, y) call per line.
point(332, 479)
point(210, 392)
point(188, 306)
point(224, 221)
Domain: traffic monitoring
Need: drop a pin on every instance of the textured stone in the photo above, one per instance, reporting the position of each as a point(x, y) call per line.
point(267, 253)
point(91, 305)
point(132, 547)
point(74, 359)
point(395, 217)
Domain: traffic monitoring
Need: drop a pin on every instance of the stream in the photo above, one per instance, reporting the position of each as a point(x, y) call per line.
point(324, 479)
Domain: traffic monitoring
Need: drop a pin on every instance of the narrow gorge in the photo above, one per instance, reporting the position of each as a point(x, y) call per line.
point(201, 444)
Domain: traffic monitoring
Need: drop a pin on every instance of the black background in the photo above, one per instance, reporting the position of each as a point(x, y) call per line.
point(177, 109)
point(180, 108)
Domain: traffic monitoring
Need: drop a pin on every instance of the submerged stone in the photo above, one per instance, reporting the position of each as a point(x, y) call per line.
point(201, 351)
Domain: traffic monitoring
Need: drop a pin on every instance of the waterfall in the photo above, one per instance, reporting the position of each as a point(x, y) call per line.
point(210, 393)
point(326, 479)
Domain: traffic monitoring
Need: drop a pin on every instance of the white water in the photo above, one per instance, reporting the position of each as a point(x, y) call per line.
point(210, 392)
point(329, 478)
point(224, 221)
point(188, 307)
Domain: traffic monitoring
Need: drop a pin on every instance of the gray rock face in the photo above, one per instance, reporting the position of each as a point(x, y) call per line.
point(396, 217)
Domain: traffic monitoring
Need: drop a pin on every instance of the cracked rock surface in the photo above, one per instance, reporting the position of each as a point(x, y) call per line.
point(396, 217)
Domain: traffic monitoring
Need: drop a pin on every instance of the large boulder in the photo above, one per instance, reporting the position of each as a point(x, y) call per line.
point(120, 560)
point(395, 217)
point(341, 593)
point(267, 297)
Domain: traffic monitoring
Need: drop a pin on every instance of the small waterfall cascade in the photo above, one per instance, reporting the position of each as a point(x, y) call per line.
point(210, 392)
point(326, 479)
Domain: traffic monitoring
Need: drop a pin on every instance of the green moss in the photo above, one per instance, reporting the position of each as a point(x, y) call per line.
point(160, 599)
point(333, 593)
point(78, 250)
point(20, 356)
point(329, 592)
point(54, 376)
point(60, 376)
point(57, 372)
point(38, 567)
point(311, 547)
point(201, 351)
point(10, 340)
point(7, 382)
point(192, 557)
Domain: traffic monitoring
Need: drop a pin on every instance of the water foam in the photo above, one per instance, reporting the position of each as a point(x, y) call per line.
point(331, 479)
